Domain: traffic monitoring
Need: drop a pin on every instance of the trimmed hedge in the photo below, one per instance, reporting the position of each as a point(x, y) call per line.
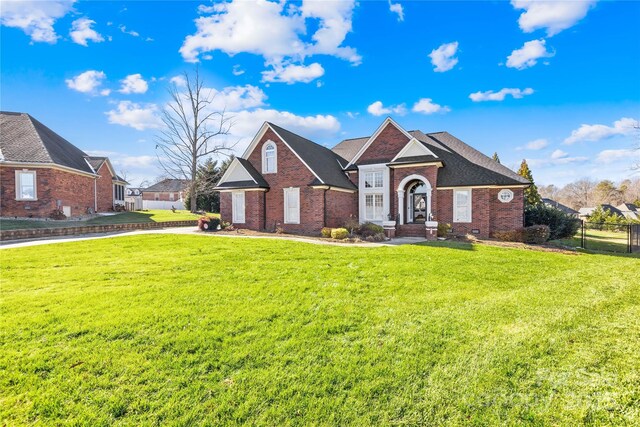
point(339, 233)
point(326, 232)
point(560, 224)
point(537, 234)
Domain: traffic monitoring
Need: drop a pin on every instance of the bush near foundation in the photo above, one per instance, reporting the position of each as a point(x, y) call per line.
point(339, 233)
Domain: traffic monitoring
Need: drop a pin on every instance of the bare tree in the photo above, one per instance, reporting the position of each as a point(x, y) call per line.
point(580, 193)
point(193, 130)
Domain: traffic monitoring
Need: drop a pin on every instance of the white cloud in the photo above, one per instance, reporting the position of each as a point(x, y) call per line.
point(178, 81)
point(427, 106)
point(293, 73)
point(528, 55)
point(273, 30)
point(81, 32)
point(624, 126)
point(35, 18)
point(500, 95)
point(443, 57)
point(536, 144)
point(556, 158)
point(555, 16)
point(612, 156)
point(87, 82)
point(236, 98)
point(130, 32)
point(133, 83)
point(137, 116)
point(105, 92)
point(377, 109)
point(397, 9)
point(237, 71)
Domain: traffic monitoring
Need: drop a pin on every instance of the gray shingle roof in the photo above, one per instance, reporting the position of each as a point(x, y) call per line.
point(326, 164)
point(168, 185)
point(463, 164)
point(24, 139)
point(349, 147)
point(559, 206)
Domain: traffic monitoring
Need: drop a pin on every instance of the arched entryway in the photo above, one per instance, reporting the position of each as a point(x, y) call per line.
point(414, 200)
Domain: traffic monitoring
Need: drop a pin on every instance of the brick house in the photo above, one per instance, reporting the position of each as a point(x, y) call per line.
point(165, 194)
point(40, 172)
point(406, 181)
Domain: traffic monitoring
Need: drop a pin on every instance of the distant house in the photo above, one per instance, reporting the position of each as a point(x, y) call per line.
point(630, 211)
point(560, 207)
point(585, 213)
point(165, 194)
point(40, 172)
point(133, 199)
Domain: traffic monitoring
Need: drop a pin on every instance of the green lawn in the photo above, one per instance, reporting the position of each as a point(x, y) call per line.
point(598, 240)
point(120, 218)
point(199, 330)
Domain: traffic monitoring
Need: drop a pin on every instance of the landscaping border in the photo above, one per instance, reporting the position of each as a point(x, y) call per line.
point(37, 233)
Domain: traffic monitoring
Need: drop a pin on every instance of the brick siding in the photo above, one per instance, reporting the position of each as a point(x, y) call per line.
point(104, 185)
point(71, 189)
point(385, 147)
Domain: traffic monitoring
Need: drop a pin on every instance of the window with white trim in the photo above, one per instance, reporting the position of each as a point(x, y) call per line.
point(237, 207)
point(462, 205)
point(374, 207)
point(172, 197)
point(269, 157)
point(373, 179)
point(26, 185)
point(292, 206)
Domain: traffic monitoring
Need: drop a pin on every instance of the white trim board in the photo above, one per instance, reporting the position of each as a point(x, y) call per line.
point(235, 163)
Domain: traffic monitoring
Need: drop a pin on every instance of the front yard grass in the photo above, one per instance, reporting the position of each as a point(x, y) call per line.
point(201, 330)
point(118, 218)
point(598, 240)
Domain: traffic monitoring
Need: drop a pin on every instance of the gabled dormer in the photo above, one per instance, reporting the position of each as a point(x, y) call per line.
point(385, 143)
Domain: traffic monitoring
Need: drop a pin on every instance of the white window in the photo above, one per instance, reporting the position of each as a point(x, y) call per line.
point(373, 179)
point(462, 205)
point(26, 185)
point(237, 208)
point(505, 196)
point(172, 197)
point(156, 196)
point(269, 160)
point(292, 206)
point(373, 207)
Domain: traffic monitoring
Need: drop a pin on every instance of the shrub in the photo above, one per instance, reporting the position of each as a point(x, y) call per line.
point(370, 229)
point(443, 229)
point(339, 233)
point(326, 232)
point(560, 224)
point(378, 237)
point(352, 225)
point(224, 225)
point(537, 234)
point(57, 214)
point(510, 235)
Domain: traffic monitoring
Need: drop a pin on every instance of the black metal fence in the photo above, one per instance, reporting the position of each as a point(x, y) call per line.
point(607, 237)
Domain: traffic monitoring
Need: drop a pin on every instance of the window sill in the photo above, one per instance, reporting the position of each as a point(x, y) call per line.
point(26, 200)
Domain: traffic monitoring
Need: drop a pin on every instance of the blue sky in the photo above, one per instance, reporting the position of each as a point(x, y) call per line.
point(553, 82)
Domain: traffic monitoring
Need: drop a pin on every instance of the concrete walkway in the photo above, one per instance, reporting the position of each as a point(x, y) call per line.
point(191, 231)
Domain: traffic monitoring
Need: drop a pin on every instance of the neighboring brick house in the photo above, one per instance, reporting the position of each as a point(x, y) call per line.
point(166, 194)
point(40, 172)
point(404, 181)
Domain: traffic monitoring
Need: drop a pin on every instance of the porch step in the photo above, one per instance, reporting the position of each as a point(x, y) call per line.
point(411, 230)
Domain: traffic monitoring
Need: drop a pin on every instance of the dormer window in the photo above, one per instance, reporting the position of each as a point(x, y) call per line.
point(269, 157)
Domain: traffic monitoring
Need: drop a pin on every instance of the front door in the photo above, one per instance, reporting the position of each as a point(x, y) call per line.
point(419, 203)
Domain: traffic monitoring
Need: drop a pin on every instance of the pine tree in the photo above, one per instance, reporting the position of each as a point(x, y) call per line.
point(531, 195)
point(495, 157)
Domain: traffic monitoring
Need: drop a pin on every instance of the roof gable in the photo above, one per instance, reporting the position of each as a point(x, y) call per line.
point(387, 122)
point(414, 148)
point(241, 174)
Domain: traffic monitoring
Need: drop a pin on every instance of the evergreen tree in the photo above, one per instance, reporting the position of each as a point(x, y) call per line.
point(495, 157)
point(209, 173)
point(531, 195)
